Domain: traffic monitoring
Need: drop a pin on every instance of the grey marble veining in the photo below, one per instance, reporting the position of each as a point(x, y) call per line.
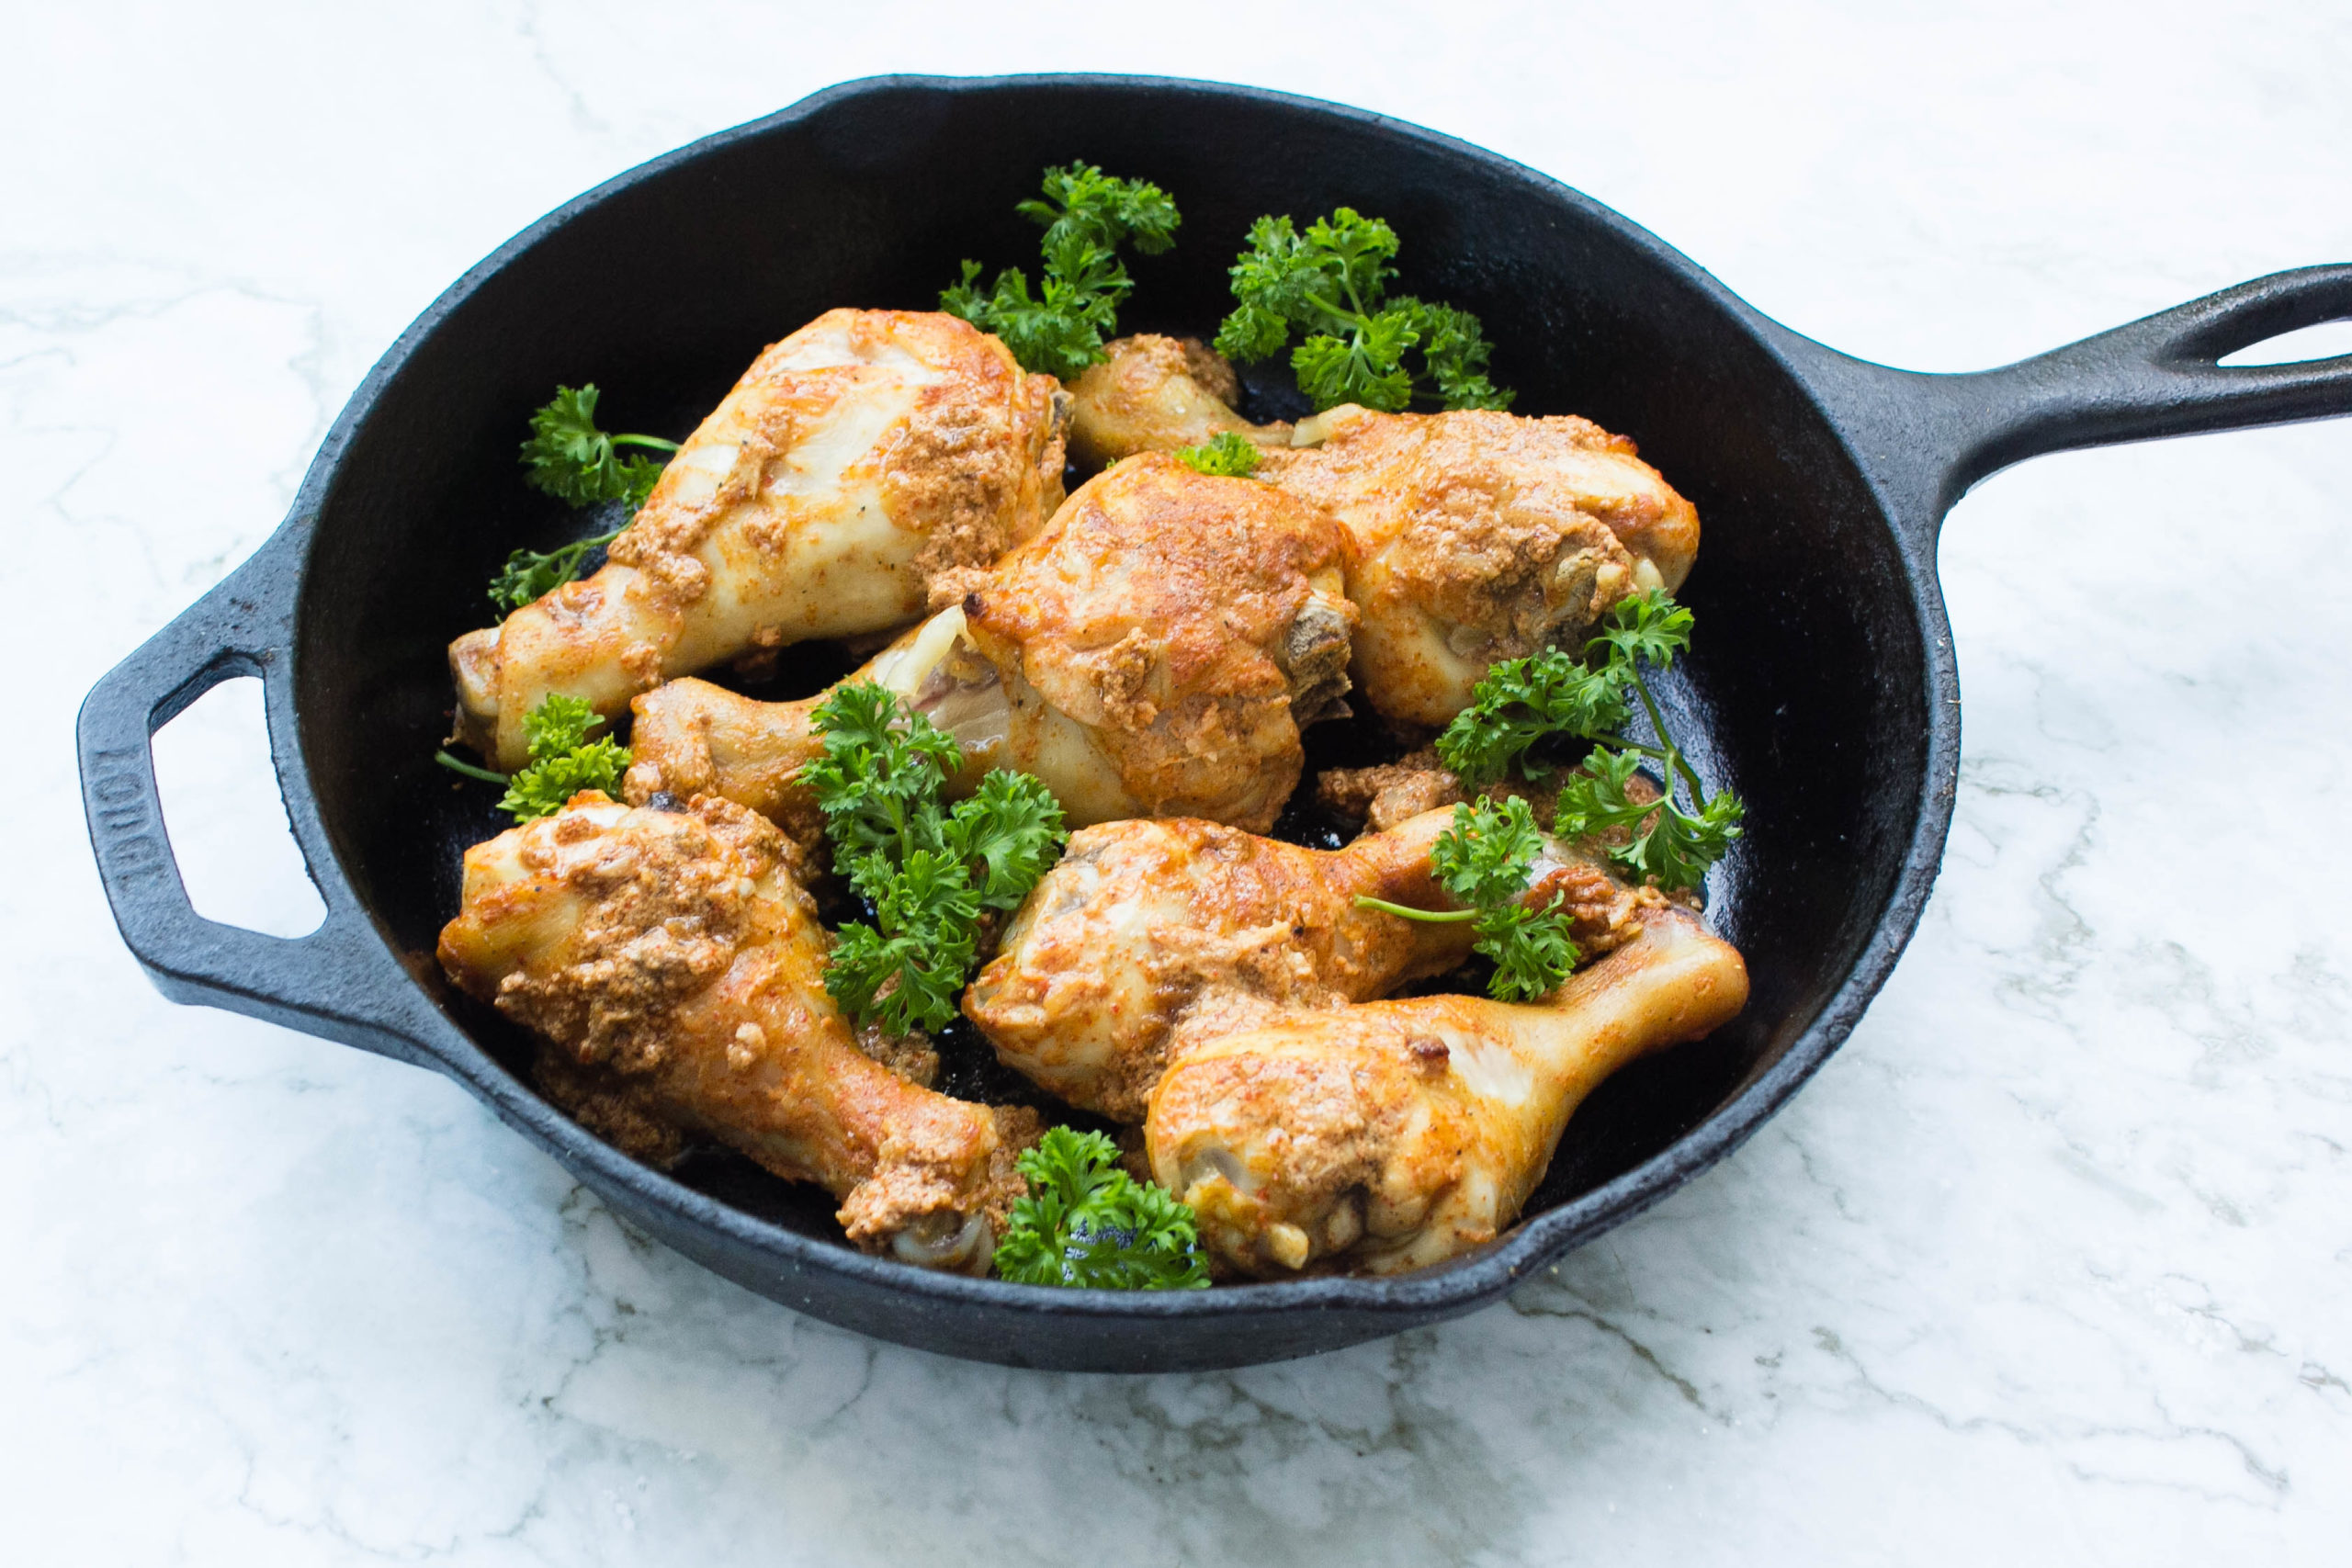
point(2051, 1263)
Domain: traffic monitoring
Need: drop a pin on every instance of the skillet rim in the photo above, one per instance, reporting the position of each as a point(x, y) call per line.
point(1443, 1290)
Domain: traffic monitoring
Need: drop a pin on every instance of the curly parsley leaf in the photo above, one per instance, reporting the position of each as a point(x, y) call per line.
point(1088, 215)
point(1486, 861)
point(1082, 202)
point(1087, 1223)
point(572, 460)
point(1531, 950)
point(531, 575)
point(932, 874)
point(878, 780)
point(541, 789)
point(1455, 352)
point(1668, 844)
point(1485, 858)
point(1227, 455)
point(558, 725)
point(564, 760)
point(1646, 626)
point(1012, 826)
point(1522, 702)
point(1330, 284)
point(906, 970)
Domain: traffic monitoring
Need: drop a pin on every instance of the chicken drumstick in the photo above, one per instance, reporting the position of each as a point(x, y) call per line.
point(856, 462)
point(1150, 935)
point(1394, 1134)
point(672, 969)
point(1154, 652)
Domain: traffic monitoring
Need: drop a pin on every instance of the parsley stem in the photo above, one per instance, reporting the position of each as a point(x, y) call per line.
point(1658, 753)
point(1354, 321)
point(1673, 757)
point(459, 765)
point(653, 441)
point(1435, 917)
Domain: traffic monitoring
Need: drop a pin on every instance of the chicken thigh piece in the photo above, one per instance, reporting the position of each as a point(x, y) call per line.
point(856, 462)
point(672, 969)
point(1154, 652)
point(1150, 934)
point(1394, 1134)
point(1481, 536)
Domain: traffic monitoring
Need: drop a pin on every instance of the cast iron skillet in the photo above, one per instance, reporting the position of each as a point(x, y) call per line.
point(1823, 681)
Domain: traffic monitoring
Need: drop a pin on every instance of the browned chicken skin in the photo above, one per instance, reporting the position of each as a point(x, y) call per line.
point(1150, 393)
point(1479, 536)
point(856, 462)
point(1482, 536)
point(1394, 1134)
point(1150, 934)
point(1154, 652)
point(672, 968)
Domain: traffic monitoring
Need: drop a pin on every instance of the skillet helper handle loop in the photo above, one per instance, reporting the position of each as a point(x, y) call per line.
point(2159, 376)
point(328, 983)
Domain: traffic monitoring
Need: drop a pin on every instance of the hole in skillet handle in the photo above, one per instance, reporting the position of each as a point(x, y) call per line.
point(227, 821)
point(2329, 340)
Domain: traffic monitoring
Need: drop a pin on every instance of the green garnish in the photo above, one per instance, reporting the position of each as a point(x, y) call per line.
point(564, 760)
point(1524, 700)
point(570, 458)
point(1330, 284)
point(931, 873)
point(530, 575)
point(1087, 215)
point(1485, 861)
point(1088, 1223)
point(1676, 849)
point(1227, 454)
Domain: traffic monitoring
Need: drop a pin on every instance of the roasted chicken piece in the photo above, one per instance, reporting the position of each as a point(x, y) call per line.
point(855, 463)
point(1154, 652)
point(1394, 1134)
point(1150, 393)
point(1150, 935)
point(1479, 536)
point(692, 738)
point(672, 968)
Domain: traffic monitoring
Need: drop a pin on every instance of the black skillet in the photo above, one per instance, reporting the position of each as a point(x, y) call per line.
point(1823, 681)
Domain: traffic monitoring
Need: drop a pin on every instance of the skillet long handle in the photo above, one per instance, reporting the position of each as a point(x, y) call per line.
point(1937, 435)
point(339, 981)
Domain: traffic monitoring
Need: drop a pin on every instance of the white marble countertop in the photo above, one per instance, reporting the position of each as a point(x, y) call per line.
point(2051, 1263)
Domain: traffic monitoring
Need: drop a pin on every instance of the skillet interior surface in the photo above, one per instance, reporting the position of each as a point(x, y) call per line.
point(1808, 689)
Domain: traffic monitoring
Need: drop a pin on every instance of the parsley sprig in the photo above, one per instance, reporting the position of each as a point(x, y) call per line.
point(1331, 283)
point(1087, 216)
point(532, 575)
point(573, 461)
point(1227, 454)
point(1484, 860)
point(1524, 701)
point(568, 458)
point(1088, 1223)
point(932, 874)
point(564, 760)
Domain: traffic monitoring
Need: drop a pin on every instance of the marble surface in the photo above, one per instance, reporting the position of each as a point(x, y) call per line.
point(2051, 1263)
